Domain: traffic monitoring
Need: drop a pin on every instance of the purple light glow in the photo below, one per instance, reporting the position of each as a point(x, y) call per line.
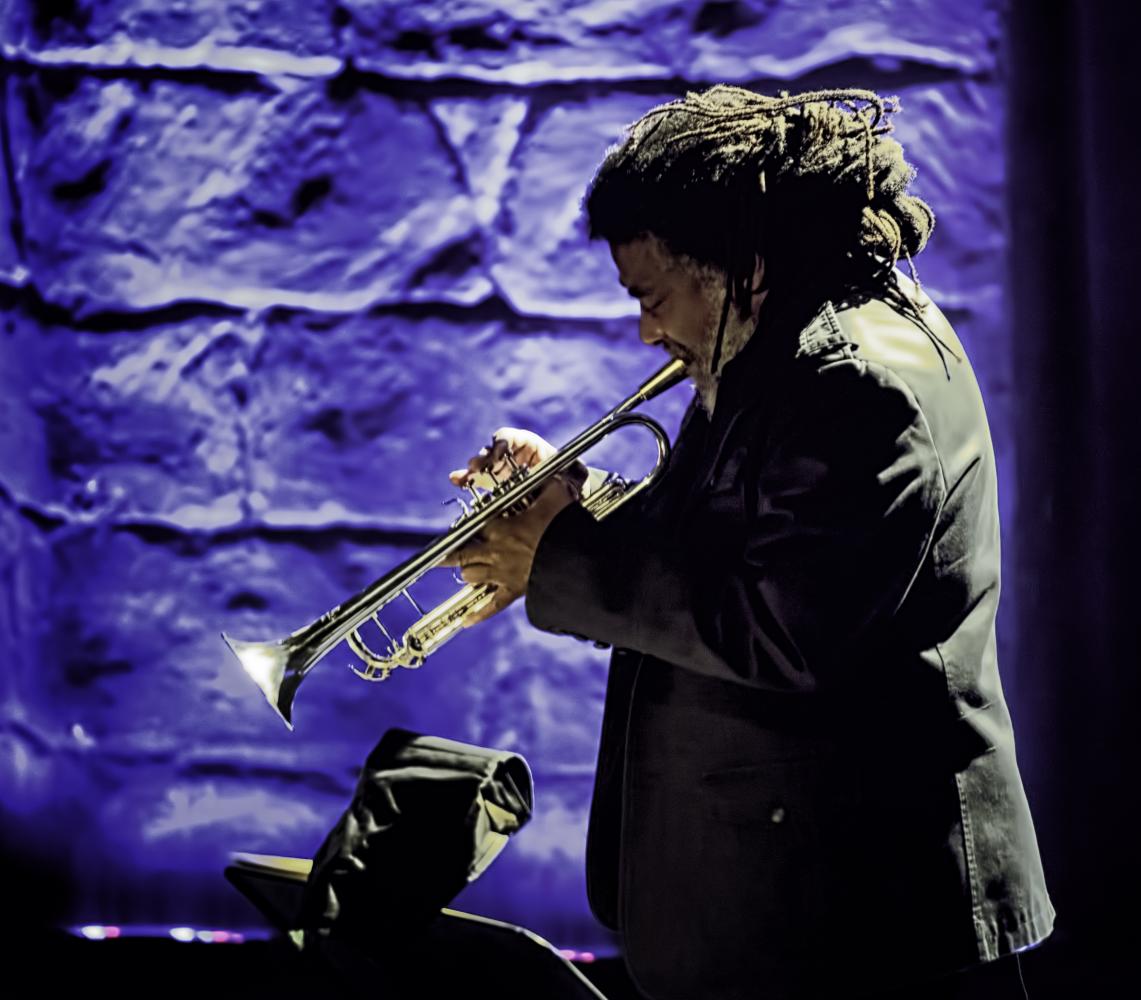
point(279, 308)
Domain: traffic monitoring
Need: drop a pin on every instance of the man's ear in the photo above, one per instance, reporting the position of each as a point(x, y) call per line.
point(760, 288)
point(759, 274)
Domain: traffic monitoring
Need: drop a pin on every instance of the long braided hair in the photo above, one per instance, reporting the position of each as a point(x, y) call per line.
point(811, 182)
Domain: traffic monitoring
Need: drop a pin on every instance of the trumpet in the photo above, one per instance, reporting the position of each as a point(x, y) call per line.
point(278, 667)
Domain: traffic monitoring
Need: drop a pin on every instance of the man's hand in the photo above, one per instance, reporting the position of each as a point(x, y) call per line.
point(502, 554)
point(504, 550)
point(526, 449)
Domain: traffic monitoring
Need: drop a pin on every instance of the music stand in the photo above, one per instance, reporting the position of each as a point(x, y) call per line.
point(457, 954)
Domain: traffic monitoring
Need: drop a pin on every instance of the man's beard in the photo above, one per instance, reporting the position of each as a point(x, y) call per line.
point(699, 363)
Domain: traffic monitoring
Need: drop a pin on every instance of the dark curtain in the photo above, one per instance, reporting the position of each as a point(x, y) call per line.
point(1074, 183)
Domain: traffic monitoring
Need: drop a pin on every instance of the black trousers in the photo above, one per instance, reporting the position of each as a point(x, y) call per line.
point(998, 980)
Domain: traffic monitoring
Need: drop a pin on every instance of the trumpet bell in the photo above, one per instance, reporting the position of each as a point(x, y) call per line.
point(268, 665)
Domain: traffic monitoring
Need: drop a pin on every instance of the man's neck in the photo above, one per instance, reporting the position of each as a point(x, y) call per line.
point(738, 332)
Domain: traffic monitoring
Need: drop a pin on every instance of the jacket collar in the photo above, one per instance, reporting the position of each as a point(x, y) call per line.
point(790, 327)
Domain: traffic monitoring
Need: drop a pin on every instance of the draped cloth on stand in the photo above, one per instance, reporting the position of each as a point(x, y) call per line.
point(428, 816)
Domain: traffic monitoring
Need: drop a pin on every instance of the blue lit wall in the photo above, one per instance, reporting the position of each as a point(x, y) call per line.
point(269, 271)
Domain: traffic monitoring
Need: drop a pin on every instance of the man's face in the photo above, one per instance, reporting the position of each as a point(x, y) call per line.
point(681, 307)
point(671, 292)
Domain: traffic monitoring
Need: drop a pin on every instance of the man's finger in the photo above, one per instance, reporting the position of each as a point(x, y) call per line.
point(527, 448)
point(499, 600)
point(477, 573)
point(488, 457)
point(475, 551)
point(491, 532)
point(492, 607)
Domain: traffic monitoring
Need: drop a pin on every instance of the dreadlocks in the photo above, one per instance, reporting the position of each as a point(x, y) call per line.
point(810, 182)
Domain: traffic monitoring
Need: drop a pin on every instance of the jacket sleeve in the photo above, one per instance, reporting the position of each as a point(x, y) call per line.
point(839, 499)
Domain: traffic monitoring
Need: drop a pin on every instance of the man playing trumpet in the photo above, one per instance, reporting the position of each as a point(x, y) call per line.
point(806, 782)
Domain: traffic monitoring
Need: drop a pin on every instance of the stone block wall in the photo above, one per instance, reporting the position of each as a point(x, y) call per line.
point(268, 271)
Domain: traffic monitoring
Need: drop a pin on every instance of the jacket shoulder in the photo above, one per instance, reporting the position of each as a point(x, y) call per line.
point(915, 344)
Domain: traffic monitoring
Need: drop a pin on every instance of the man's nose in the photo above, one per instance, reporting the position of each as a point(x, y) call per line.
point(650, 329)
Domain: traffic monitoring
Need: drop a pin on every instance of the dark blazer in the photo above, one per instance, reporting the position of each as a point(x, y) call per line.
point(806, 779)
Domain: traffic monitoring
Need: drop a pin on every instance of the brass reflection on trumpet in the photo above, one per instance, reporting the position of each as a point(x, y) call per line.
point(278, 667)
